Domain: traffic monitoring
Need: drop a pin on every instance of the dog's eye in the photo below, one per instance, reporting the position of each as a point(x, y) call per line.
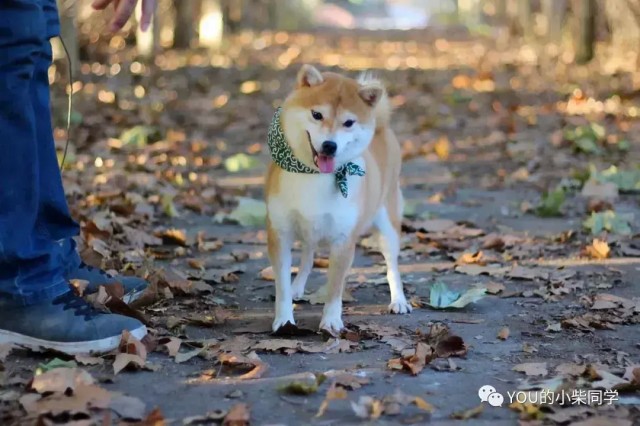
point(316, 115)
point(348, 123)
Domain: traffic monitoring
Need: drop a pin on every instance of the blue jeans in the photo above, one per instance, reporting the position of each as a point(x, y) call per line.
point(36, 228)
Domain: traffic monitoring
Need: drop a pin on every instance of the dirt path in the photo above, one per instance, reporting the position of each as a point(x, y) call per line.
point(477, 162)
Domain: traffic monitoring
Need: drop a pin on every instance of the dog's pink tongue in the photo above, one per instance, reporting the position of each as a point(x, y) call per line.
point(326, 164)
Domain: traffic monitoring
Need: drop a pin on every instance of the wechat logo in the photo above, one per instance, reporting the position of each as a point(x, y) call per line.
point(488, 393)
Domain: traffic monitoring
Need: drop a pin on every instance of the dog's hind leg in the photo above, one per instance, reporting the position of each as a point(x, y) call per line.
point(306, 265)
point(388, 224)
point(279, 250)
point(340, 261)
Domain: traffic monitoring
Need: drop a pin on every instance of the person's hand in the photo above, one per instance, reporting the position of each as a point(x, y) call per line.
point(124, 9)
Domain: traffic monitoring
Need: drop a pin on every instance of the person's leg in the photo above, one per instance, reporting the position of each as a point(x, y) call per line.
point(30, 266)
point(53, 211)
point(37, 307)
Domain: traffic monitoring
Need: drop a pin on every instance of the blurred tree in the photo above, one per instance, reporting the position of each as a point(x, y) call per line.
point(295, 15)
point(69, 32)
point(525, 18)
point(184, 30)
point(555, 12)
point(211, 24)
point(585, 14)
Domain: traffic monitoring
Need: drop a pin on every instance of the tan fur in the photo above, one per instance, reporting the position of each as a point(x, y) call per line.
point(379, 187)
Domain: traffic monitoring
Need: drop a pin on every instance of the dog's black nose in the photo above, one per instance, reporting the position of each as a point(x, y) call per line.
point(329, 147)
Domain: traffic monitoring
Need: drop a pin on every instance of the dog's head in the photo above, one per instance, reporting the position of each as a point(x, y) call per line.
point(330, 119)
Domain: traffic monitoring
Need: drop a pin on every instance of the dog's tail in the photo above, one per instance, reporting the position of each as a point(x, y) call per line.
point(383, 107)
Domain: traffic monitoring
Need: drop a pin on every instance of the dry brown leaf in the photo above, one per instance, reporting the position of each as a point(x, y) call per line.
point(470, 258)
point(495, 288)
point(196, 264)
point(598, 249)
point(503, 334)
point(61, 380)
point(130, 345)
point(124, 360)
point(350, 381)
point(89, 360)
point(468, 414)
point(173, 237)
point(570, 369)
point(414, 363)
point(321, 262)
point(333, 393)
point(532, 368)
point(5, 350)
point(367, 407)
point(268, 275)
point(276, 345)
point(238, 415)
point(251, 362)
point(172, 344)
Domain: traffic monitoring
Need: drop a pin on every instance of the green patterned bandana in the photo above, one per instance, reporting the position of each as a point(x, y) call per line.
point(282, 155)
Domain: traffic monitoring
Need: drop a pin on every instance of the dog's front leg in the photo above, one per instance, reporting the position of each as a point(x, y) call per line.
point(279, 249)
point(340, 261)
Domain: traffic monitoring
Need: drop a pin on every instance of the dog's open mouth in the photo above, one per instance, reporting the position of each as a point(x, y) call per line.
point(325, 163)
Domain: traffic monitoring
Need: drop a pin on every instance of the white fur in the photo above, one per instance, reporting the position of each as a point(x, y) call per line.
point(310, 208)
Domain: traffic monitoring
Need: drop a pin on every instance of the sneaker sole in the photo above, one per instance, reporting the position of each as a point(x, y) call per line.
point(71, 348)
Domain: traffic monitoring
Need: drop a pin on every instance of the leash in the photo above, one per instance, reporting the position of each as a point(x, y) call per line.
point(70, 101)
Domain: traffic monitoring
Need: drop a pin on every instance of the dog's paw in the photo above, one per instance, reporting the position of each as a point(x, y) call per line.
point(281, 321)
point(400, 307)
point(332, 325)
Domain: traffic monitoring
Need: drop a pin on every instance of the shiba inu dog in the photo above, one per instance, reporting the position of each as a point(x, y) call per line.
point(334, 176)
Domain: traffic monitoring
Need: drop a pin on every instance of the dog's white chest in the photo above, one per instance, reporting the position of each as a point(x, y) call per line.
point(313, 209)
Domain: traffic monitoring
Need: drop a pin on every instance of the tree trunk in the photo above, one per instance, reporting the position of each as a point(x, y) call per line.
point(525, 18)
point(69, 33)
point(555, 13)
point(183, 32)
point(211, 24)
point(501, 11)
point(585, 14)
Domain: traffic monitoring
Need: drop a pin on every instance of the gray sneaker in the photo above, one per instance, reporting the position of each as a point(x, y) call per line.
point(66, 323)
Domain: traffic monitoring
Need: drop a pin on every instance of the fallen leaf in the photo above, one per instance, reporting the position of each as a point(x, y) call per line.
point(333, 393)
point(468, 414)
point(503, 334)
point(124, 360)
point(89, 360)
point(600, 191)
point(495, 288)
point(470, 258)
point(351, 381)
point(532, 368)
point(608, 221)
point(267, 273)
point(256, 368)
point(441, 297)
point(238, 415)
point(367, 407)
point(598, 249)
point(61, 380)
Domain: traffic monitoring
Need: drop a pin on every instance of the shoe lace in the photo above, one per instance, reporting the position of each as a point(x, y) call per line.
point(77, 304)
point(93, 268)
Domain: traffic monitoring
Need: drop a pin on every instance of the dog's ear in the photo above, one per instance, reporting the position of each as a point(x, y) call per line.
point(371, 92)
point(309, 76)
